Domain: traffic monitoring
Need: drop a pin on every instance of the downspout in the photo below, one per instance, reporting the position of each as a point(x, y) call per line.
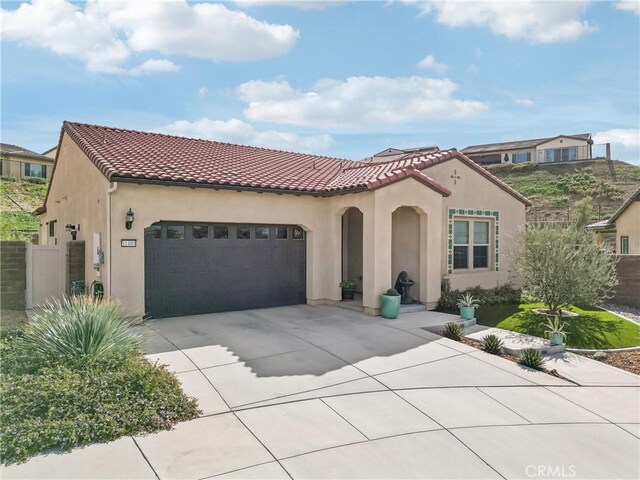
point(113, 188)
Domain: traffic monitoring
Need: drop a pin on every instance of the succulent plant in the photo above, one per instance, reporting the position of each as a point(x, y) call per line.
point(468, 300)
point(491, 344)
point(556, 327)
point(392, 292)
point(453, 330)
point(530, 357)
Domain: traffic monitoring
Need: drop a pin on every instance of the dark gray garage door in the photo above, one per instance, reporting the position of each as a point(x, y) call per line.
point(193, 268)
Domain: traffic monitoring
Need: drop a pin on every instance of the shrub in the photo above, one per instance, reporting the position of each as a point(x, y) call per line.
point(530, 357)
point(504, 294)
point(37, 180)
point(80, 327)
point(453, 330)
point(392, 292)
point(64, 406)
point(348, 284)
point(565, 266)
point(491, 344)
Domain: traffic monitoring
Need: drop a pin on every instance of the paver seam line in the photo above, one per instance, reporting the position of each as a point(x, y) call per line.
point(630, 433)
point(246, 406)
point(505, 370)
point(145, 458)
point(238, 418)
point(527, 425)
point(338, 413)
point(591, 411)
point(239, 470)
point(480, 389)
point(263, 445)
point(446, 430)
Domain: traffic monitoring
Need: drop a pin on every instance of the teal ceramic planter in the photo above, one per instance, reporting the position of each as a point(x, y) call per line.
point(556, 339)
point(390, 305)
point(467, 313)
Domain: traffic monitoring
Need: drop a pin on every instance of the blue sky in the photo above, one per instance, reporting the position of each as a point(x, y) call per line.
point(345, 79)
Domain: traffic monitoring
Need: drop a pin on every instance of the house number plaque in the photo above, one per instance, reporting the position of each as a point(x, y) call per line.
point(128, 243)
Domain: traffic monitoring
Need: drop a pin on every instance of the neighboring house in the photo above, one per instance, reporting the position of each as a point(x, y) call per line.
point(562, 148)
point(21, 163)
point(400, 153)
point(177, 226)
point(624, 224)
point(51, 153)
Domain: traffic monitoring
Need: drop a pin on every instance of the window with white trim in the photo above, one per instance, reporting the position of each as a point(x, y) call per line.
point(470, 244)
point(624, 245)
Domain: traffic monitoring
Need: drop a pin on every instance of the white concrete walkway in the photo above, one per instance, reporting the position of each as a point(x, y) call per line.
point(320, 392)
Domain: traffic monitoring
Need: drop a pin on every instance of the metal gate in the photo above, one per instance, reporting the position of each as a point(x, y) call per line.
point(193, 268)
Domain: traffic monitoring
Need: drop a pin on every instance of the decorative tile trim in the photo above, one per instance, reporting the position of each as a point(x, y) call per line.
point(474, 213)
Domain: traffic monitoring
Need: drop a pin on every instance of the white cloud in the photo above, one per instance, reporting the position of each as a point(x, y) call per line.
point(533, 20)
point(626, 138)
point(302, 4)
point(237, 131)
point(524, 102)
point(632, 6)
point(355, 102)
point(429, 63)
point(64, 29)
point(105, 33)
point(153, 66)
point(202, 91)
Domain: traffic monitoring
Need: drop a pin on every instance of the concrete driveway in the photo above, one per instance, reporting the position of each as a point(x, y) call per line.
point(322, 392)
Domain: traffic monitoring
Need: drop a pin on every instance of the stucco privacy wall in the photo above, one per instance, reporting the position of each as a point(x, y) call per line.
point(470, 190)
point(78, 196)
point(628, 225)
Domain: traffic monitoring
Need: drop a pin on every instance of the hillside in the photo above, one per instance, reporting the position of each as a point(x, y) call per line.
point(554, 188)
point(17, 200)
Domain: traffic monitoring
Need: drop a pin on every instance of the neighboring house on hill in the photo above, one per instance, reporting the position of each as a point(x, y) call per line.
point(51, 153)
point(562, 148)
point(399, 153)
point(177, 226)
point(21, 163)
point(624, 224)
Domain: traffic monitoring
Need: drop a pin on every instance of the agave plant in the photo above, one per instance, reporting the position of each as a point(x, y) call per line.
point(453, 330)
point(81, 327)
point(468, 300)
point(530, 357)
point(556, 327)
point(491, 344)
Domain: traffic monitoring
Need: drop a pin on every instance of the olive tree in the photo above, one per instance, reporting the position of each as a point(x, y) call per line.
point(565, 266)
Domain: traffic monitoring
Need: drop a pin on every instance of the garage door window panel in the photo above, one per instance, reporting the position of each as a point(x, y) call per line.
point(243, 232)
point(175, 232)
point(200, 232)
point(262, 233)
point(153, 231)
point(220, 232)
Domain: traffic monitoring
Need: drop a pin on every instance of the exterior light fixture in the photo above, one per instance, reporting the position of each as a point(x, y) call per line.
point(129, 221)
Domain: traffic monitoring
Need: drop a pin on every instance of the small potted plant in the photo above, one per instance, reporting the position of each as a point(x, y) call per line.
point(555, 331)
point(348, 289)
point(467, 305)
point(390, 302)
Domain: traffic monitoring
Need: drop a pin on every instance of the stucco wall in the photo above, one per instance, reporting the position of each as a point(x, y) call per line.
point(473, 191)
point(14, 166)
point(628, 224)
point(583, 152)
point(78, 196)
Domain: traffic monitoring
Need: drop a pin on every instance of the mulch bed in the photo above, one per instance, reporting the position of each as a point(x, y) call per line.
point(629, 361)
point(12, 318)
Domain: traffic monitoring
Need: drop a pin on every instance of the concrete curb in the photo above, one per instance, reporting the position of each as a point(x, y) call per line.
point(605, 350)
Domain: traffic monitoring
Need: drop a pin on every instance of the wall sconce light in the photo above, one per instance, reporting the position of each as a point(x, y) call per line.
point(129, 221)
point(73, 229)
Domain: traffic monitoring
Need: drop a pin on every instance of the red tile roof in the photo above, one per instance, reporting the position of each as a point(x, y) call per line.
point(129, 155)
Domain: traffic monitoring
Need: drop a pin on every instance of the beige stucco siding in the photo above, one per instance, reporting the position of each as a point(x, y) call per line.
point(472, 191)
point(584, 149)
point(78, 196)
point(628, 224)
point(14, 166)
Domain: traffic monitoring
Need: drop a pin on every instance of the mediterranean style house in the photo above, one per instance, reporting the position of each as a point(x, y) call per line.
point(624, 224)
point(21, 163)
point(561, 148)
point(177, 226)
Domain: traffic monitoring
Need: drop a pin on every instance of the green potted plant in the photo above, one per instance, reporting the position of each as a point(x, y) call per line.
point(390, 302)
point(348, 289)
point(555, 331)
point(467, 305)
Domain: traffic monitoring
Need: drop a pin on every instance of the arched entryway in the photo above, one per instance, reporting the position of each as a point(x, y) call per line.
point(352, 237)
point(405, 246)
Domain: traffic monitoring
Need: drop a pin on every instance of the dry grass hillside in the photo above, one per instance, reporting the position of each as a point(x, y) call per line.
point(554, 188)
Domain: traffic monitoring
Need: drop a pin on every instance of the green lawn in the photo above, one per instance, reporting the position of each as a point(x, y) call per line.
point(594, 328)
